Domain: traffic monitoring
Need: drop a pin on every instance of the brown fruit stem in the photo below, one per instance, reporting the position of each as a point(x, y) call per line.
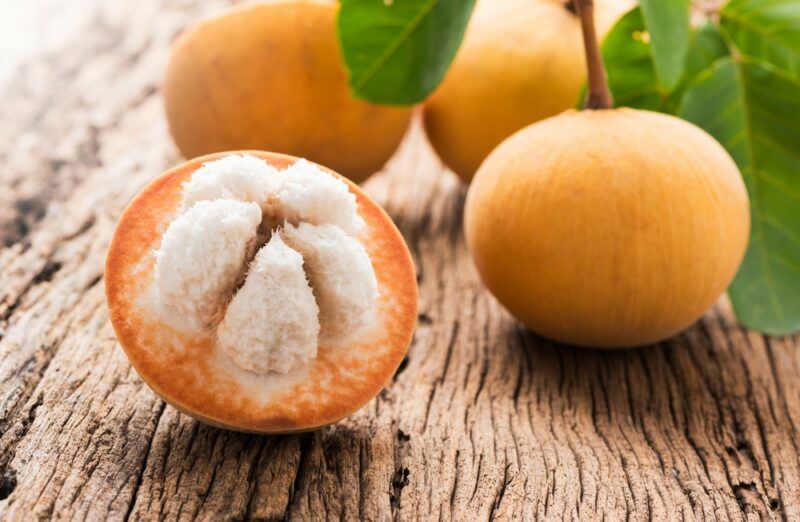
point(599, 95)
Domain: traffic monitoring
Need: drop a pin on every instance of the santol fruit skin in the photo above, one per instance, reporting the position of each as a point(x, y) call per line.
point(521, 61)
point(271, 77)
point(608, 228)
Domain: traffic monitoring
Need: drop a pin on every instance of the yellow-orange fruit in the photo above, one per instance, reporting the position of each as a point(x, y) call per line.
point(270, 77)
point(608, 228)
point(191, 371)
point(521, 61)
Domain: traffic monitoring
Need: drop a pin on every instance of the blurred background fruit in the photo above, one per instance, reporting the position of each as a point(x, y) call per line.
point(270, 77)
point(520, 61)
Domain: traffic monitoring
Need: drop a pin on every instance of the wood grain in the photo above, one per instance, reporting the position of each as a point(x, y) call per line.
point(484, 419)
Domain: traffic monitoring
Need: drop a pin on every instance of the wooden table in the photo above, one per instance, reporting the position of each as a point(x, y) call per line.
point(483, 418)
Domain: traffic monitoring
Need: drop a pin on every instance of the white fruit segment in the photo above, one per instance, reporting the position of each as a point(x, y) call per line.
point(241, 177)
point(341, 276)
point(308, 194)
point(272, 324)
point(202, 256)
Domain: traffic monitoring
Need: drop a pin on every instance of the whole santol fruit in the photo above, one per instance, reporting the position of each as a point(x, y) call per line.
point(608, 227)
point(260, 293)
point(521, 61)
point(270, 77)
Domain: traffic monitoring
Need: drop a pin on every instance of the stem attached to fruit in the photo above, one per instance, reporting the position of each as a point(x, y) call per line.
point(599, 95)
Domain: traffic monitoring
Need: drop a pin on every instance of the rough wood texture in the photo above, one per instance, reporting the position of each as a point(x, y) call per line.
point(484, 419)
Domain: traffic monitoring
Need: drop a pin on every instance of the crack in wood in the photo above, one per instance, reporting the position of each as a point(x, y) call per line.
point(8, 482)
point(143, 467)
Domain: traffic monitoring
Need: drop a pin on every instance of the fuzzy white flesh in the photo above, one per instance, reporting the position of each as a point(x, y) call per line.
point(272, 324)
point(202, 256)
point(308, 194)
point(341, 276)
point(275, 320)
point(240, 177)
point(300, 193)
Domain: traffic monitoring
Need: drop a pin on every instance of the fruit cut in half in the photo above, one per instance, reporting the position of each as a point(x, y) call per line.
point(262, 293)
point(270, 76)
point(608, 228)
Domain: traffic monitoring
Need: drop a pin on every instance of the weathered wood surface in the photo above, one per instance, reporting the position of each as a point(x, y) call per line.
point(484, 419)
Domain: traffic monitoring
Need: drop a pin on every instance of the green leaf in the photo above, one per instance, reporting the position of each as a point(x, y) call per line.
point(629, 64)
point(667, 23)
point(707, 46)
point(397, 51)
point(766, 29)
point(631, 71)
point(753, 109)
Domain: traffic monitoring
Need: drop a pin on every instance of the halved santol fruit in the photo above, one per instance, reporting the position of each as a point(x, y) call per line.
point(261, 293)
